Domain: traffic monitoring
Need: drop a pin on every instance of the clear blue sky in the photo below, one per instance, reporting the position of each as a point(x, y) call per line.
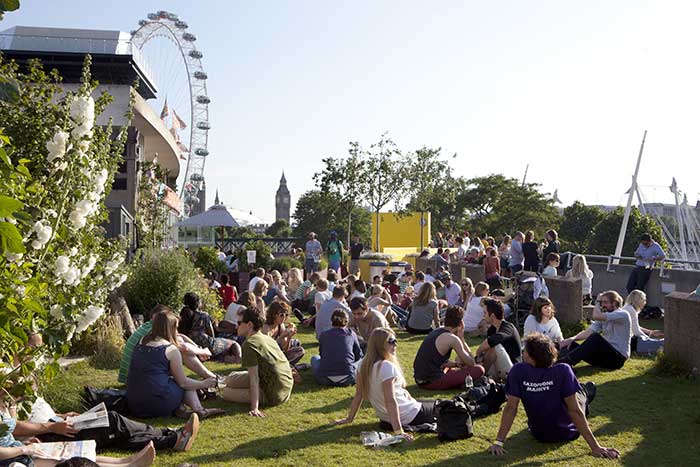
point(568, 87)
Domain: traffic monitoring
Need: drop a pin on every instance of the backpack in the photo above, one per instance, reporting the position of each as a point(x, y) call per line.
point(651, 312)
point(114, 399)
point(454, 420)
point(485, 399)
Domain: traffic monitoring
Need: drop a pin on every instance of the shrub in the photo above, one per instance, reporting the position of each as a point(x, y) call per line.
point(263, 256)
point(207, 260)
point(110, 343)
point(285, 263)
point(571, 329)
point(376, 256)
point(163, 277)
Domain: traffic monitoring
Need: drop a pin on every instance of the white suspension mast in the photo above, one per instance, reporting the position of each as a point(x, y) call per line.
point(628, 209)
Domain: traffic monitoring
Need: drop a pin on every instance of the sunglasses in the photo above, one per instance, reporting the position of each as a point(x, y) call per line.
point(392, 341)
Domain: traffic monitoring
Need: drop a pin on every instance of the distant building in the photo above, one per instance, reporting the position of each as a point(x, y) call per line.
point(282, 202)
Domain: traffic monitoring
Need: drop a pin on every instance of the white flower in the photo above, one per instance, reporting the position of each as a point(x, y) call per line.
point(89, 316)
point(84, 145)
point(61, 265)
point(92, 260)
point(71, 331)
point(56, 311)
point(71, 276)
point(14, 257)
point(82, 110)
point(51, 212)
point(36, 244)
point(11, 220)
point(77, 218)
point(43, 234)
point(73, 251)
point(81, 131)
point(57, 146)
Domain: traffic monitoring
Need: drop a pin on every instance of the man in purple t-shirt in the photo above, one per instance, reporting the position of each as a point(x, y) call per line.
point(555, 402)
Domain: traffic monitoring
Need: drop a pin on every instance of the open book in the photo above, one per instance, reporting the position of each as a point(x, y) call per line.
point(96, 417)
point(66, 450)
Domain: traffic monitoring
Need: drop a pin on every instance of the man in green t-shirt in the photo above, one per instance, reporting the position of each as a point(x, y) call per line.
point(334, 249)
point(192, 355)
point(268, 379)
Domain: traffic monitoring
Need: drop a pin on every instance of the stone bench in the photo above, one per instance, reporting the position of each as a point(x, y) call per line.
point(682, 327)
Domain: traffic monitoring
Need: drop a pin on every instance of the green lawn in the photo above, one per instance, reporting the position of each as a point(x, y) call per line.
point(653, 421)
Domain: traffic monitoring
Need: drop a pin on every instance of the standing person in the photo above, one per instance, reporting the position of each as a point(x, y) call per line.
point(334, 250)
point(530, 255)
point(647, 253)
point(340, 353)
point(504, 254)
point(643, 340)
point(606, 341)
point(432, 368)
point(423, 312)
point(553, 245)
point(515, 262)
point(492, 268)
point(579, 268)
point(365, 320)
point(541, 320)
point(313, 254)
point(267, 378)
point(501, 349)
point(356, 248)
point(226, 292)
point(381, 380)
point(157, 385)
point(555, 402)
point(461, 253)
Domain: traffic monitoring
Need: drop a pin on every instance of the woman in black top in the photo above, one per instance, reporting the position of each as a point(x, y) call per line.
point(552, 243)
point(532, 260)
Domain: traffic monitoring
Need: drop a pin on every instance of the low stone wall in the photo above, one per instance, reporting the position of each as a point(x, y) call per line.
point(682, 327)
point(566, 294)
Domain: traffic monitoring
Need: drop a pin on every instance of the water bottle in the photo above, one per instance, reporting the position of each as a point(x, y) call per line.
point(468, 382)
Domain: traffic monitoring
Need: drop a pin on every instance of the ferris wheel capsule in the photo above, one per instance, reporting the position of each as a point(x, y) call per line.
point(189, 37)
point(201, 152)
point(153, 17)
point(200, 75)
point(196, 54)
point(203, 125)
point(181, 24)
point(203, 99)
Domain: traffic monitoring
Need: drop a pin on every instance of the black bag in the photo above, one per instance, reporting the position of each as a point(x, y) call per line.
point(454, 420)
point(651, 312)
point(484, 400)
point(114, 399)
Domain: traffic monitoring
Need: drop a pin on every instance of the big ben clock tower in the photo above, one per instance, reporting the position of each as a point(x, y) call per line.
point(282, 202)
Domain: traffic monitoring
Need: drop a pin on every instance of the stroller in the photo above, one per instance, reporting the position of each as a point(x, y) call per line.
point(527, 286)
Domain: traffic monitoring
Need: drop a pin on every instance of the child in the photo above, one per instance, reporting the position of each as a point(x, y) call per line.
point(552, 265)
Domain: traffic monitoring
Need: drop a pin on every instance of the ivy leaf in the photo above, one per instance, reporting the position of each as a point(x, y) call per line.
point(8, 206)
point(10, 239)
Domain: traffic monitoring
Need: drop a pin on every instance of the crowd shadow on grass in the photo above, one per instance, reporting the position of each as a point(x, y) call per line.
point(276, 446)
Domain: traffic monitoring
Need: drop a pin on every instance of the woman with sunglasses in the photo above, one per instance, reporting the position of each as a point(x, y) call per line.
point(381, 380)
point(283, 332)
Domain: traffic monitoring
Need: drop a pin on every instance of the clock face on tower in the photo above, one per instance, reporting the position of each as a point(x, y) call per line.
point(285, 199)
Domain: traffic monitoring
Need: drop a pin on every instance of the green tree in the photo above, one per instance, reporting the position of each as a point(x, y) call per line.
point(321, 212)
point(279, 229)
point(604, 236)
point(577, 226)
point(498, 205)
point(8, 5)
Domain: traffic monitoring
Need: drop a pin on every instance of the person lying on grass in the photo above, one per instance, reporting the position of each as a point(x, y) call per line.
point(555, 402)
point(381, 380)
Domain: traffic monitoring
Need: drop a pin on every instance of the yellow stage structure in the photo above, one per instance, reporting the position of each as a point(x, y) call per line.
point(400, 235)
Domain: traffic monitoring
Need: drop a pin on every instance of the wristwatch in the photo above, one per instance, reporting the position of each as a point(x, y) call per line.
point(498, 443)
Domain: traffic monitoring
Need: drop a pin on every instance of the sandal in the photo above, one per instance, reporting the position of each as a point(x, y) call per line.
point(182, 412)
point(187, 434)
point(209, 413)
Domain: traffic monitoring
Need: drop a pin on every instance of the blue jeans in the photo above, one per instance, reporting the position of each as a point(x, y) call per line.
point(516, 268)
point(401, 313)
point(334, 264)
point(348, 380)
point(311, 266)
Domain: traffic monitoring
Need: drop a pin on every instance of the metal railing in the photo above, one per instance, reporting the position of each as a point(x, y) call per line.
point(610, 260)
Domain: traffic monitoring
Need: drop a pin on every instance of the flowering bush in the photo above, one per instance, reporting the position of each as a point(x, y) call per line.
point(56, 267)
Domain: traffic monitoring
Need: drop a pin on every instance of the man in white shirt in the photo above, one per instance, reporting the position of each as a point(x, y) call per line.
point(461, 253)
point(313, 254)
point(429, 275)
point(259, 276)
point(452, 289)
point(420, 280)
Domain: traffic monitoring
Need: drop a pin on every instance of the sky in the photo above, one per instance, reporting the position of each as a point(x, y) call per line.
point(566, 87)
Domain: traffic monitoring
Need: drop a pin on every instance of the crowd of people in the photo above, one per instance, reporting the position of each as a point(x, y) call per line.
point(356, 324)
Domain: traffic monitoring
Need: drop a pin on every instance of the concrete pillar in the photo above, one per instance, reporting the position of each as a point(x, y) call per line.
point(682, 327)
point(566, 295)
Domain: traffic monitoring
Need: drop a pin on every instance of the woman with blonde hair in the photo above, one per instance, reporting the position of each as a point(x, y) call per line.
point(278, 289)
point(579, 268)
point(643, 340)
point(294, 280)
point(423, 313)
point(466, 293)
point(381, 380)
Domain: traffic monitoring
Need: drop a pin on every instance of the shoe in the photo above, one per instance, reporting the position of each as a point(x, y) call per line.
point(302, 366)
point(181, 412)
point(299, 315)
point(591, 390)
point(209, 413)
point(187, 434)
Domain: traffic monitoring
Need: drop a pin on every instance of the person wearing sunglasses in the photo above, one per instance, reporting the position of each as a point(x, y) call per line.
point(381, 381)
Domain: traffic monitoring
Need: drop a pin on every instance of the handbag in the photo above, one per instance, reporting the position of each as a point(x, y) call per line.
point(454, 420)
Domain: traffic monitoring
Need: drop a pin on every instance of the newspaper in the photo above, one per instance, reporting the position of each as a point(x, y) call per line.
point(96, 417)
point(66, 450)
point(379, 440)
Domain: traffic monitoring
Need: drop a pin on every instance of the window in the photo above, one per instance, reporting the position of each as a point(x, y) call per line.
point(119, 184)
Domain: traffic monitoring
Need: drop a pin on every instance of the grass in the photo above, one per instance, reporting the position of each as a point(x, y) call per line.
point(653, 421)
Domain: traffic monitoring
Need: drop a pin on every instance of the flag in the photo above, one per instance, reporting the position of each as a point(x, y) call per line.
point(165, 112)
point(182, 149)
point(180, 123)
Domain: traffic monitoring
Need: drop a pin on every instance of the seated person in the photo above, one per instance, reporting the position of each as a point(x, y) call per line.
point(500, 294)
point(552, 265)
point(227, 293)
point(392, 285)
point(257, 276)
point(282, 333)
point(606, 341)
point(405, 280)
point(365, 320)
point(13, 452)
point(643, 340)
point(380, 300)
point(439, 258)
point(555, 402)
point(322, 294)
point(198, 326)
point(303, 297)
point(156, 385)
point(340, 353)
point(432, 368)
point(423, 313)
point(227, 326)
point(420, 280)
point(267, 378)
point(475, 323)
point(541, 320)
point(501, 349)
point(376, 280)
point(323, 318)
point(381, 380)
point(192, 355)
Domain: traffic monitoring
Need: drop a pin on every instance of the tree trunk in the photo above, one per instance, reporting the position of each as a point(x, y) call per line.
point(118, 306)
point(376, 244)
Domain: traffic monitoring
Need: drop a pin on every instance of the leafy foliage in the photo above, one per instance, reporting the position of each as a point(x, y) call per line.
point(152, 213)
point(321, 212)
point(279, 229)
point(604, 236)
point(206, 259)
point(285, 263)
point(263, 256)
point(577, 226)
point(56, 268)
point(8, 5)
